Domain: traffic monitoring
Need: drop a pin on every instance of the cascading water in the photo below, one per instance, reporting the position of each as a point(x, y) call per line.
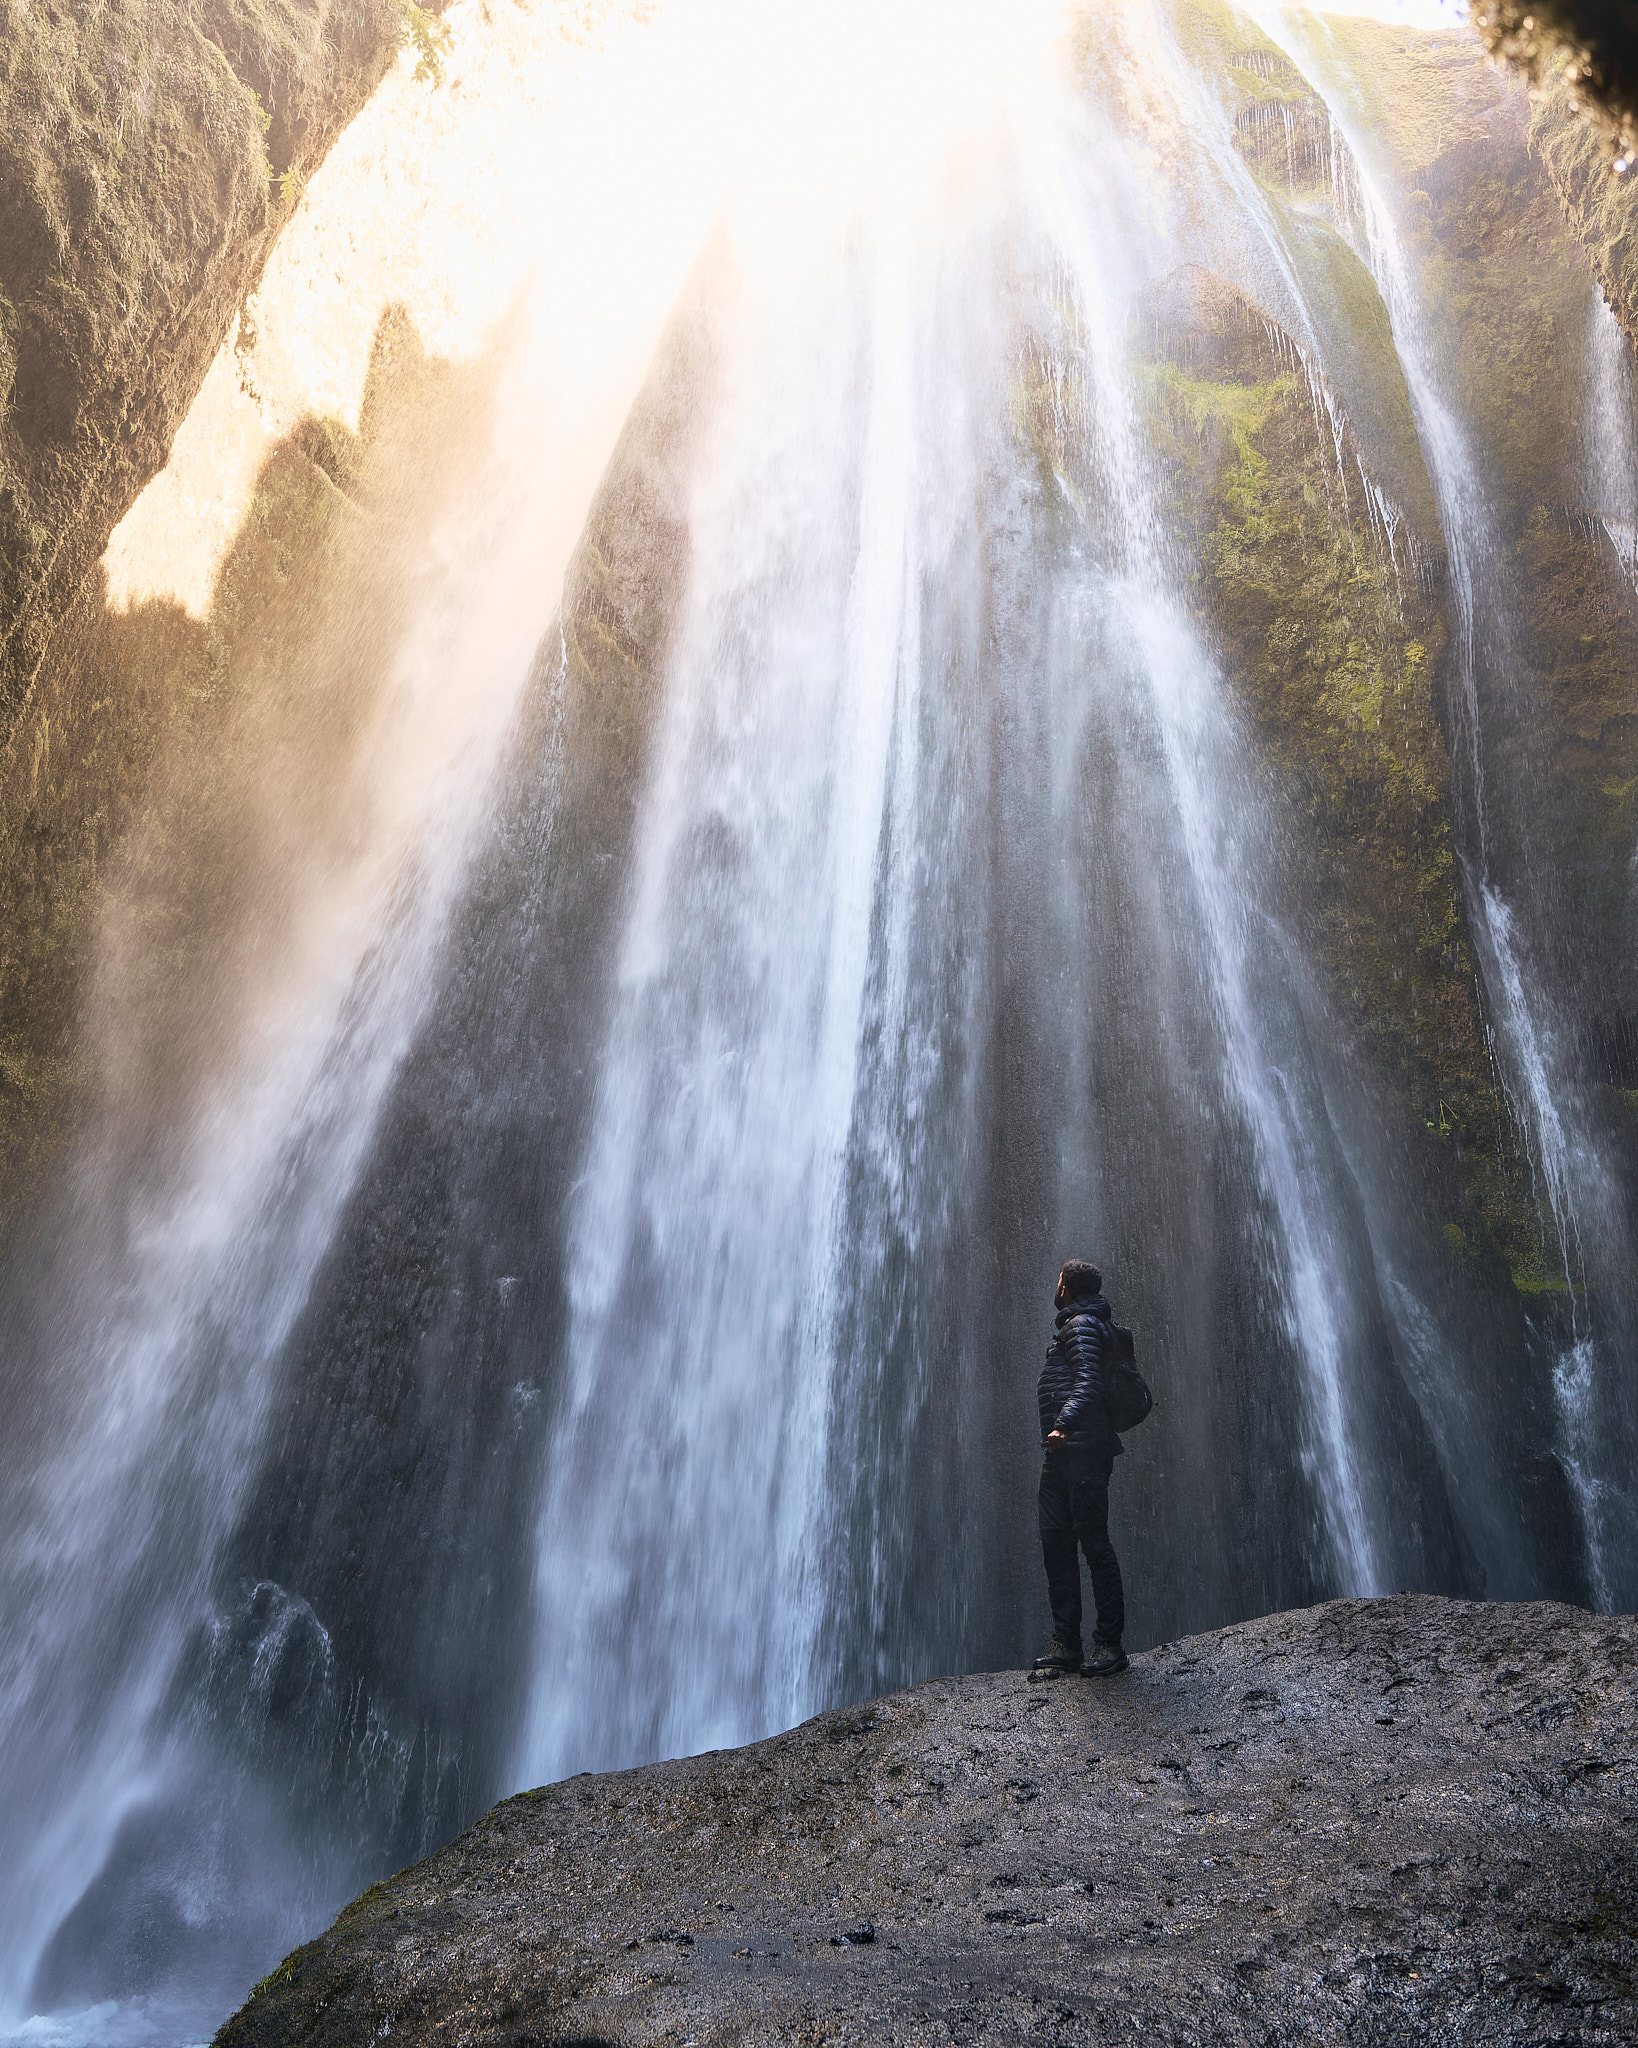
point(591, 1310)
point(1490, 699)
point(710, 1242)
point(191, 1270)
point(1610, 433)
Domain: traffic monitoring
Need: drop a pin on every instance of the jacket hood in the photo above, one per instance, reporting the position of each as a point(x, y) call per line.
point(1086, 1305)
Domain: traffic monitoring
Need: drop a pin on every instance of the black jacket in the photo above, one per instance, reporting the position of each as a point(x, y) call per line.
point(1071, 1389)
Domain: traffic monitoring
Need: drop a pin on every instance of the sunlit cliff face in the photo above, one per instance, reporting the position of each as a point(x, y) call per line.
point(591, 148)
point(588, 140)
point(582, 137)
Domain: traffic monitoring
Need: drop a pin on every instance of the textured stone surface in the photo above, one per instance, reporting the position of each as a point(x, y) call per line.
point(1374, 1821)
point(149, 153)
point(1600, 207)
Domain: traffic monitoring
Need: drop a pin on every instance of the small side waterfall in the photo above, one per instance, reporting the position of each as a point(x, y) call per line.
point(1610, 433)
point(1517, 926)
point(816, 860)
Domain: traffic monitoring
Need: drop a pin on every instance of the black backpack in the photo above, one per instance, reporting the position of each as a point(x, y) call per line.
point(1129, 1396)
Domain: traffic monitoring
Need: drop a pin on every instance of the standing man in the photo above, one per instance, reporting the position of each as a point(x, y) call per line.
point(1080, 1447)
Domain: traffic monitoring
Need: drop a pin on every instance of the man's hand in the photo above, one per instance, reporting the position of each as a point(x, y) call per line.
point(1054, 1437)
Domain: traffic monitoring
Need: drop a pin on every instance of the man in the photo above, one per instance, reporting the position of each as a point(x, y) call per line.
point(1080, 1448)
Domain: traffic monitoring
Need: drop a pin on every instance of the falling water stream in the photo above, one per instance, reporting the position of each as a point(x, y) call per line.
point(589, 1313)
point(1532, 1023)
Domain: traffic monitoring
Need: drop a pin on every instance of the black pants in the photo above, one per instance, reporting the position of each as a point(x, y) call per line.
point(1074, 1503)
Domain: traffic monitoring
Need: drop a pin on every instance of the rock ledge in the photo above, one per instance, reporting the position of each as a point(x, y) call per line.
point(1373, 1821)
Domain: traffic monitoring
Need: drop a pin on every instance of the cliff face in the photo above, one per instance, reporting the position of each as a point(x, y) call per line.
point(1601, 206)
point(1300, 488)
point(149, 155)
point(1327, 606)
point(1319, 611)
point(1387, 1821)
point(149, 152)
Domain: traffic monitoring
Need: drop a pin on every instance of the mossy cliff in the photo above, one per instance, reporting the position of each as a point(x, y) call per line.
point(1508, 304)
point(1600, 205)
point(1331, 630)
point(149, 151)
point(1475, 183)
point(1302, 503)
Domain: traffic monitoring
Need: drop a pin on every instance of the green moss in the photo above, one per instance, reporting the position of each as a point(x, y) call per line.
point(275, 1979)
point(368, 1906)
point(1240, 409)
point(1579, 638)
point(1335, 654)
point(1533, 1276)
point(429, 38)
point(1217, 38)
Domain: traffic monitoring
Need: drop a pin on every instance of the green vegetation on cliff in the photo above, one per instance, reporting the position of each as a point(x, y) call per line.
point(1333, 640)
point(1325, 605)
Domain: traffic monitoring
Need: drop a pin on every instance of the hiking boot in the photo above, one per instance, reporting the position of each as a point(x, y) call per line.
point(1057, 1660)
point(1105, 1661)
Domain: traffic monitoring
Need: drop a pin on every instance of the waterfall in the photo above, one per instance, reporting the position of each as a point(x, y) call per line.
point(810, 868)
point(1610, 433)
point(1214, 812)
point(159, 1345)
point(686, 1547)
point(1489, 694)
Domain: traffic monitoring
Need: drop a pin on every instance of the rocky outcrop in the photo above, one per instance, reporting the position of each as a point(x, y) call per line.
point(1374, 1821)
point(149, 152)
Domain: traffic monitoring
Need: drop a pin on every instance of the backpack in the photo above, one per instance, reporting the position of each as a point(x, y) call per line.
point(1129, 1396)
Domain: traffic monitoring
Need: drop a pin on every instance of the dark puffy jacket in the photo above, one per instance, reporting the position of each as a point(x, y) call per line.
point(1071, 1390)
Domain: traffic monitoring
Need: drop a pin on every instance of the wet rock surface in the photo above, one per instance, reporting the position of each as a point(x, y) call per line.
point(1373, 1821)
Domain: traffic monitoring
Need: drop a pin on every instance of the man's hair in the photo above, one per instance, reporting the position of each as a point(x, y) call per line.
point(1080, 1278)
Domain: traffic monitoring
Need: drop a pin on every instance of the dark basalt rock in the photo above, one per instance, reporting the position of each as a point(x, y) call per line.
point(1374, 1821)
